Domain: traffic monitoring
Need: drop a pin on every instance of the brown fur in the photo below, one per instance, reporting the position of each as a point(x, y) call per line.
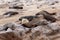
point(47, 16)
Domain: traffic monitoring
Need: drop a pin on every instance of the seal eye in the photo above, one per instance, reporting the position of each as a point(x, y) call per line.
point(20, 19)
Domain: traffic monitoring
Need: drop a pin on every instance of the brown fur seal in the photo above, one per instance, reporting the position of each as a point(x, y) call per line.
point(33, 22)
point(47, 16)
point(28, 17)
point(16, 7)
point(10, 13)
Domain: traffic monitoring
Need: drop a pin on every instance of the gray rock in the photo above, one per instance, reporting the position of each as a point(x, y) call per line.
point(2, 28)
point(12, 25)
point(8, 30)
point(54, 26)
point(42, 29)
point(15, 27)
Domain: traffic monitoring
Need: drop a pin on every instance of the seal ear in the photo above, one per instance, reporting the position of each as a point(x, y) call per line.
point(25, 21)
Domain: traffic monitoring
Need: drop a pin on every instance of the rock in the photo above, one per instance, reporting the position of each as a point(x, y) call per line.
point(9, 30)
point(10, 25)
point(24, 21)
point(35, 35)
point(42, 29)
point(38, 36)
point(15, 27)
point(9, 36)
point(57, 16)
point(44, 37)
point(2, 28)
point(54, 26)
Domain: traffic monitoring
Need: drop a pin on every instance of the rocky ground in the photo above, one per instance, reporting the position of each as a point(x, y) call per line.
point(30, 20)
